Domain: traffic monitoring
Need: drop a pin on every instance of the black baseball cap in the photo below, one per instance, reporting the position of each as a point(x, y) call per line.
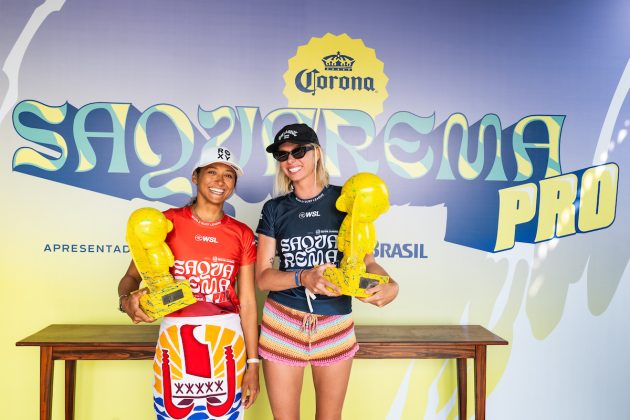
point(293, 133)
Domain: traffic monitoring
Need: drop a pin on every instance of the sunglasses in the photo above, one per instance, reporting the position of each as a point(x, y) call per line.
point(297, 153)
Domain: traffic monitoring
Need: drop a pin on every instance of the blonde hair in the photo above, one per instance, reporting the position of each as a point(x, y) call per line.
point(283, 184)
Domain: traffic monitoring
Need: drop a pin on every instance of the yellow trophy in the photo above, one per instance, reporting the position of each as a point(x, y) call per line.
point(363, 197)
point(146, 231)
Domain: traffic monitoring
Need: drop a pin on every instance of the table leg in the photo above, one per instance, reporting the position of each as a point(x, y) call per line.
point(480, 382)
point(46, 371)
point(71, 375)
point(462, 380)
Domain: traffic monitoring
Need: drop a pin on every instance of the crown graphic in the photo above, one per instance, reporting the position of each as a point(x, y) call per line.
point(338, 62)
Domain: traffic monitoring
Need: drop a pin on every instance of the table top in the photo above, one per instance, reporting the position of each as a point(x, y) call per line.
point(427, 334)
point(146, 335)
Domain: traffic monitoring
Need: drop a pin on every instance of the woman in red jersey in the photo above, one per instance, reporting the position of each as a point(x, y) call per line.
point(206, 361)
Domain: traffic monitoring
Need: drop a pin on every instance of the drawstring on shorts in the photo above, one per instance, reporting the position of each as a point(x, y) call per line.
point(309, 326)
point(309, 322)
point(309, 295)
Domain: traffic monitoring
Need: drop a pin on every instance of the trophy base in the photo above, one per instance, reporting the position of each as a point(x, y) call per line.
point(159, 303)
point(354, 284)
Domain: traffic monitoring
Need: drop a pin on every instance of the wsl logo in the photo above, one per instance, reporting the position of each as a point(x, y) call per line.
point(309, 81)
point(209, 239)
point(350, 78)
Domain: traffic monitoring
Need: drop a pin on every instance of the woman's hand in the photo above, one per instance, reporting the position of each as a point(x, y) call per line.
point(381, 294)
point(131, 306)
point(251, 386)
point(314, 281)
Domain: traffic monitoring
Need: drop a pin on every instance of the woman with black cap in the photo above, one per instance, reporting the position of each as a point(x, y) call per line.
point(305, 319)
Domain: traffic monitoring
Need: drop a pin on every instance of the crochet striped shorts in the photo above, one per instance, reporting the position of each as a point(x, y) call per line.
point(296, 338)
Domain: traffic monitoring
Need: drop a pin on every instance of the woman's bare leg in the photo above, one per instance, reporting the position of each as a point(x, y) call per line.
point(284, 387)
point(331, 383)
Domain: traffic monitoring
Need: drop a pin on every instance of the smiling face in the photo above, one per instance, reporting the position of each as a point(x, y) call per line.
point(298, 170)
point(215, 183)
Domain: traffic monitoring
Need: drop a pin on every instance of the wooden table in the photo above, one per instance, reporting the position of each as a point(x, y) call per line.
point(137, 342)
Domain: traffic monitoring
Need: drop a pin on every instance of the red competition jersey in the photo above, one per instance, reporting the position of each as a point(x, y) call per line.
point(209, 256)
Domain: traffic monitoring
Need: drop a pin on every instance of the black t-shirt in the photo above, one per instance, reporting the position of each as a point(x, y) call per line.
point(306, 235)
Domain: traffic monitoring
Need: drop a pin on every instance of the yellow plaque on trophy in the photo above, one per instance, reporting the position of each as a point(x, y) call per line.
point(146, 233)
point(364, 197)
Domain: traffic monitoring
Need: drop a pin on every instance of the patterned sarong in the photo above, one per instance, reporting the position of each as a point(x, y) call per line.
point(198, 368)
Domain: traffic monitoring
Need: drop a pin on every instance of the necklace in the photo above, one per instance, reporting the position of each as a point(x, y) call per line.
point(196, 216)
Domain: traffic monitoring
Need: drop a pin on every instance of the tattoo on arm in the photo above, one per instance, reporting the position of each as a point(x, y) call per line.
point(271, 260)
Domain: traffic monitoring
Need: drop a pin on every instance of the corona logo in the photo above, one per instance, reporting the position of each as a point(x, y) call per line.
point(311, 82)
point(338, 62)
point(351, 78)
